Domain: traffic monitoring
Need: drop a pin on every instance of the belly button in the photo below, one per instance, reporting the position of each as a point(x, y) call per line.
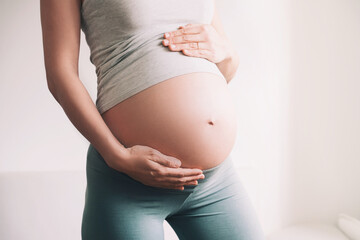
point(210, 122)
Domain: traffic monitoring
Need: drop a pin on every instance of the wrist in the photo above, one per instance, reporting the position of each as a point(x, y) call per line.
point(118, 157)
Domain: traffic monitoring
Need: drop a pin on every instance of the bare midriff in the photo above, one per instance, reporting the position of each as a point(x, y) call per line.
point(190, 117)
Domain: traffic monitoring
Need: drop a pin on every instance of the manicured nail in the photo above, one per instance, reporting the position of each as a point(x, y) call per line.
point(166, 42)
point(173, 46)
point(167, 35)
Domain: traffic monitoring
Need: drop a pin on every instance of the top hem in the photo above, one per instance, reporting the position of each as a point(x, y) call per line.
point(121, 97)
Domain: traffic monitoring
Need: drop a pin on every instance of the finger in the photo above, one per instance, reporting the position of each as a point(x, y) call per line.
point(180, 47)
point(180, 186)
point(192, 25)
point(192, 183)
point(158, 157)
point(169, 186)
point(190, 46)
point(176, 180)
point(203, 53)
point(180, 172)
point(187, 29)
point(187, 38)
point(186, 184)
point(174, 160)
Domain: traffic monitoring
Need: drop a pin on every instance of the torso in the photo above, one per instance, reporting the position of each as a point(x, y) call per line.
point(190, 117)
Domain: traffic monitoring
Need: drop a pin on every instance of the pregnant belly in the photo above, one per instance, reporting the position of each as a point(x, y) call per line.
point(190, 117)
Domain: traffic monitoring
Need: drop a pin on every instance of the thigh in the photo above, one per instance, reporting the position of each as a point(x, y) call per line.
point(106, 219)
point(116, 206)
point(221, 211)
point(119, 207)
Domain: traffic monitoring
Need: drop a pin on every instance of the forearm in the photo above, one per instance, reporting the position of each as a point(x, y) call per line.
point(229, 65)
point(77, 104)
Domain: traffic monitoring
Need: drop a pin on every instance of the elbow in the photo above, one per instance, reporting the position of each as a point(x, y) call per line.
point(231, 75)
point(51, 89)
point(50, 86)
point(235, 69)
point(229, 78)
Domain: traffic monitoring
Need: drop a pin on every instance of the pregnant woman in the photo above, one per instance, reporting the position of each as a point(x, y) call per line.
point(163, 125)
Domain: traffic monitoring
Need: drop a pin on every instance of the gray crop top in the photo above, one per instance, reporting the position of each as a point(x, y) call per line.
point(125, 42)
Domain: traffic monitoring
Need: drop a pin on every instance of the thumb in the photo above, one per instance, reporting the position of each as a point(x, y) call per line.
point(174, 162)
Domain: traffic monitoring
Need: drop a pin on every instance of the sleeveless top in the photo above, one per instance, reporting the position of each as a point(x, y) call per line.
point(125, 42)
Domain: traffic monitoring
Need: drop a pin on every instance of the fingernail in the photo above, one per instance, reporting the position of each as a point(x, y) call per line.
point(166, 41)
point(167, 35)
point(173, 46)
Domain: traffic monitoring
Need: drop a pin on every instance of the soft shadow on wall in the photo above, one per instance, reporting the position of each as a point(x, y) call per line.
point(296, 93)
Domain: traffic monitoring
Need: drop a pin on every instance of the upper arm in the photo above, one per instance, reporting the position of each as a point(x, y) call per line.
point(216, 22)
point(60, 22)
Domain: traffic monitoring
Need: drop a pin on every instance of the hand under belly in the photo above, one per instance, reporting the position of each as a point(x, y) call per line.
point(190, 117)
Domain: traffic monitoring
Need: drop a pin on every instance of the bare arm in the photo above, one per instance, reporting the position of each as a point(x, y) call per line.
point(227, 67)
point(60, 21)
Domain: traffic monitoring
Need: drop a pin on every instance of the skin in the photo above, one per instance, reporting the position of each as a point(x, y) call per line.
point(60, 22)
point(207, 41)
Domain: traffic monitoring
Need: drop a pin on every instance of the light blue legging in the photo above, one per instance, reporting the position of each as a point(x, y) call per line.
point(119, 207)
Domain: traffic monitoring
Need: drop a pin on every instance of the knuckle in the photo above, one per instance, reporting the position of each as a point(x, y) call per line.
point(165, 172)
point(158, 179)
point(151, 152)
point(161, 171)
point(193, 45)
point(182, 180)
point(171, 162)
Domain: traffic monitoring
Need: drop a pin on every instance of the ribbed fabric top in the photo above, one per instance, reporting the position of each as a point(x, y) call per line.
point(125, 41)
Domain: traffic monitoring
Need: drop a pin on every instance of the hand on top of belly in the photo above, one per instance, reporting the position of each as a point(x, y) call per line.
point(150, 167)
point(199, 40)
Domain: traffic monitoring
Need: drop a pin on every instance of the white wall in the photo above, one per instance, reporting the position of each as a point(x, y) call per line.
point(324, 149)
point(296, 92)
point(260, 30)
point(36, 133)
